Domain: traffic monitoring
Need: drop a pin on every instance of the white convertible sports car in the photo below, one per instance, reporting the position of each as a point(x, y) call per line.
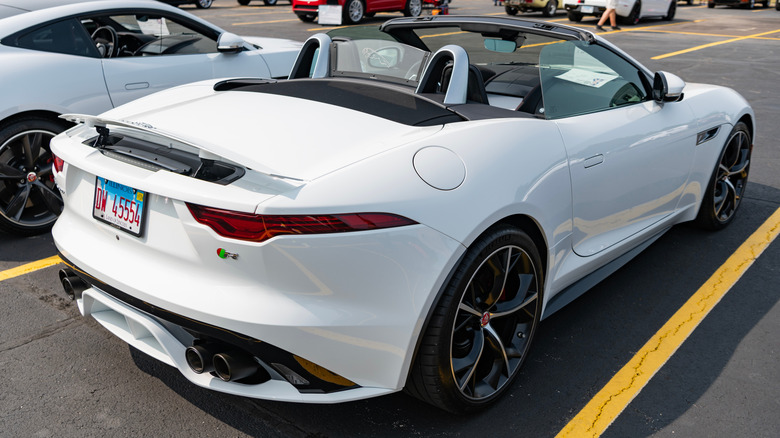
point(60, 56)
point(454, 181)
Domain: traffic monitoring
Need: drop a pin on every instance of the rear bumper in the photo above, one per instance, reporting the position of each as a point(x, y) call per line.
point(350, 304)
point(155, 337)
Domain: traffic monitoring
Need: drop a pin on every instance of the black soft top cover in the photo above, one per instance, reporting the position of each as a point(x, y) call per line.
point(381, 100)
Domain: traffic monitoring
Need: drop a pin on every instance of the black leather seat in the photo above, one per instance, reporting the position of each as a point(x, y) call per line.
point(532, 102)
point(475, 91)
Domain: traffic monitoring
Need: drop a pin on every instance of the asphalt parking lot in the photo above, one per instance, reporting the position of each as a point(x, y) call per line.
point(66, 376)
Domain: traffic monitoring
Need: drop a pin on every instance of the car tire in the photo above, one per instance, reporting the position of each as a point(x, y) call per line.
point(777, 6)
point(710, 5)
point(510, 10)
point(203, 4)
point(306, 18)
point(353, 11)
point(726, 187)
point(633, 17)
point(479, 332)
point(243, 2)
point(672, 10)
point(270, 2)
point(550, 9)
point(29, 200)
point(413, 8)
point(574, 16)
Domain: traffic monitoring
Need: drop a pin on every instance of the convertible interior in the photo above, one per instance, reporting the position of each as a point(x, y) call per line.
point(504, 74)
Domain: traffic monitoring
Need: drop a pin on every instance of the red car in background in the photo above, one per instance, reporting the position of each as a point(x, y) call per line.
point(355, 10)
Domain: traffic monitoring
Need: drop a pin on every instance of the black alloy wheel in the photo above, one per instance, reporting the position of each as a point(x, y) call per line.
point(29, 199)
point(633, 16)
point(550, 8)
point(729, 179)
point(481, 329)
point(672, 10)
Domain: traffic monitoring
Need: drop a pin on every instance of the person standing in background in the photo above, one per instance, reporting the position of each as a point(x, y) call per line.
point(609, 12)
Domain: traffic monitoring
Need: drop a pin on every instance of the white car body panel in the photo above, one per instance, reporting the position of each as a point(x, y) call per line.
point(78, 84)
point(648, 8)
point(599, 187)
point(629, 164)
point(84, 96)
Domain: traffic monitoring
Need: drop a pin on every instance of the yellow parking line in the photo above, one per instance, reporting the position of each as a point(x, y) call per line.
point(703, 34)
point(704, 46)
point(244, 14)
point(605, 407)
point(262, 22)
point(29, 267)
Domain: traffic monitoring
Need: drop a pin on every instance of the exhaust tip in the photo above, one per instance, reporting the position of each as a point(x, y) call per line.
point(199, 358)
point(72, 284)
point(234, 365)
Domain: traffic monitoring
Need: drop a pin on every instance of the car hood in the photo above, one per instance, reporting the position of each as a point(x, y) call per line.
point(278, 135)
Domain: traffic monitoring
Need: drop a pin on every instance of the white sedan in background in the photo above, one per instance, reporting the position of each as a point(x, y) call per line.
point(629, 11)
point(89, 57)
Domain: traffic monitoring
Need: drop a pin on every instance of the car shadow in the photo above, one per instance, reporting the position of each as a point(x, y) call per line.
point(15, 248)
point(576, 353)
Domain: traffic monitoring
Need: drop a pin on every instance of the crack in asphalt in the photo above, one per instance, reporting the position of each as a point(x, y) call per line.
point(47, 331)
point(675, 332)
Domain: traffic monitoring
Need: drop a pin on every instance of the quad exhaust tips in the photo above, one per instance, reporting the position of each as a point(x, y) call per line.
point(228, 366)
point(74, 286)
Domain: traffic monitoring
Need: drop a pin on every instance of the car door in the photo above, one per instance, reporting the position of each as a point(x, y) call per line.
point(54, 66)
point(629, 156)
point(155, 52)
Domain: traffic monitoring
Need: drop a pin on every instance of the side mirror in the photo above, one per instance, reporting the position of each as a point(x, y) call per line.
point(667, 87)
point(229, 43)
point(384, 58)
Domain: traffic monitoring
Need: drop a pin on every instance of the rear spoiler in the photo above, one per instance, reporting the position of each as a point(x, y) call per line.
point(207, 152)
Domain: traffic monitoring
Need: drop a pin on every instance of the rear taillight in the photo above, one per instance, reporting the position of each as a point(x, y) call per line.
point(58, 163)
point(261, 227)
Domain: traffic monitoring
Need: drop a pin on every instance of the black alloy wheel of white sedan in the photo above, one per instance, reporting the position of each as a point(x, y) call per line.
point(29, 200)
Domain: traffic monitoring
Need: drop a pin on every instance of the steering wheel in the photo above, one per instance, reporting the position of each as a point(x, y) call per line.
point(626, 94)
point(107, 47)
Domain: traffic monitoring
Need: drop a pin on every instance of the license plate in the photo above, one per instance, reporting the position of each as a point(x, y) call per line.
point(587, 9)
point(119, 205)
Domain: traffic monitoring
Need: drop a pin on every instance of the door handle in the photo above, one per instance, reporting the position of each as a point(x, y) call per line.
point(594, 160)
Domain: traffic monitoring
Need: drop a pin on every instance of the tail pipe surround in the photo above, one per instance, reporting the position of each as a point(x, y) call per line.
point(74, 286)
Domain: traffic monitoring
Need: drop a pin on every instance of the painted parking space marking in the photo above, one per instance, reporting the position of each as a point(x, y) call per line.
point(29, 267)
point(624, 386)
point(676, 32)
point(263, 22)
point(705, 46)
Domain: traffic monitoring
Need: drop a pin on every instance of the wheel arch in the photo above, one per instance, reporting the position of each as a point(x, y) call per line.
point(747, 119)
point(45, 114)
